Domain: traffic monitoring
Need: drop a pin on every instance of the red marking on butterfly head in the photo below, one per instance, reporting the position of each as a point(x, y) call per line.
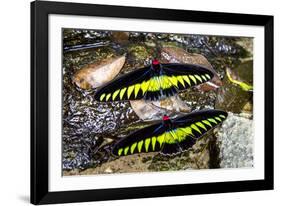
point(155, 62)
point(165, 118)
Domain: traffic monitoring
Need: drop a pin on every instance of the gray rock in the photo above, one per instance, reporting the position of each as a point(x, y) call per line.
point(235, 139)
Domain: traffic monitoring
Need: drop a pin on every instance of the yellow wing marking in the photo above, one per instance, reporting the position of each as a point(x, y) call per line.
point(159, 83)
point(198, 77)
point(180, 134)
point(137, 88)
point(193, 78)
point(130, 90)
point(102, 96)
point(217, 118)
point(122, 93)
point(140, 145)
point(161, 139)
point(133, 147)
point(147, 141)
point(174, 135)
point(185, 77)
point(201, 125)
point(188, 131)
point(208, 76)
point(174, 80)
point(108, 96)
point(180, 79)
point(115, 94)
point(153, 85)
point(153, 142)
point(156, 84)
point(203, 77)
point(207, 123)
point(193, 126)
point(222, 116)
point(144, 86)
point(169, 138)
point(166, 82)
point(212, 120)
point(120, 151)
point(126, 150)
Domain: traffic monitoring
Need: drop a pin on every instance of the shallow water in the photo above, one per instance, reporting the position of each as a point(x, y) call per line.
point(90, 128)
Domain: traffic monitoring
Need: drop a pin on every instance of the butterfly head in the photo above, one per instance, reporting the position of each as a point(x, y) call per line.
point(166, 121)
point(155, 64)
point(166, 118)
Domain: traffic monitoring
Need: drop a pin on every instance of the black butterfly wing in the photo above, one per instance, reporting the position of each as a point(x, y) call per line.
point(130, 86)
point(174, 78)
point(143, 140)
point(181, 134)
point(143, 83)
point(183, 76)
point(189, 128)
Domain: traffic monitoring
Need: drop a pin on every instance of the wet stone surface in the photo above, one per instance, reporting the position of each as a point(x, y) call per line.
point(236, 97)
point(236, 145)
point(91, 128)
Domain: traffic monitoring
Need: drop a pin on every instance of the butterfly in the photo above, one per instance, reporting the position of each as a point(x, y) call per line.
point(170, 136)
point(154, 82)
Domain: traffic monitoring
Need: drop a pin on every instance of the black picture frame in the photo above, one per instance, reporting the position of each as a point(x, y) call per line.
point(39, 102)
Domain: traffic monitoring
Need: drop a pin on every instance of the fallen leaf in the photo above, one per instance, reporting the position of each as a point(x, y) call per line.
point(96, 74)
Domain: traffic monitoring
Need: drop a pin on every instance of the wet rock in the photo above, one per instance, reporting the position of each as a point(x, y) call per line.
point(235, 96)
point(242, 75)
point(90, 125)
point(232, 97)
point(196, 99)
point(120, 37)
point(97, 74)
point(248, 108)
point(235, 140)
point(178, 55)
point(244, 71)
point(233, 78)
point(154, 110)
point(226, 46)
point(74, 37)
point(139, 52)
point(132, 163)
point(247, 44)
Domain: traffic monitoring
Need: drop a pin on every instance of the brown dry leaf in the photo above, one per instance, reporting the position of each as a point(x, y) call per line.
point(96, 74)
point(152, 110)
point(178, 55)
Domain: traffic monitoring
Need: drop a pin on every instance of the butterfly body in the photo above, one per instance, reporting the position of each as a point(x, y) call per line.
point(170, 136)
point(154, 82)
